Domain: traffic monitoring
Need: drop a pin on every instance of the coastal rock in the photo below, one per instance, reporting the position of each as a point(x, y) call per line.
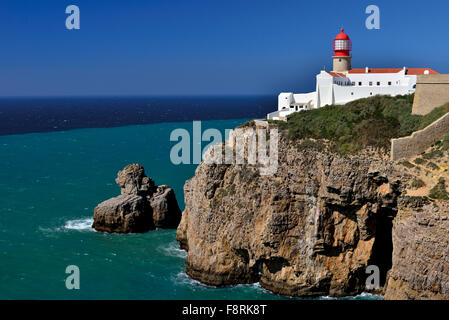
point(310, 229)
point(123, 214)
point(132, 180)
point(166, 212)
point(141, 207)
point(421, 252)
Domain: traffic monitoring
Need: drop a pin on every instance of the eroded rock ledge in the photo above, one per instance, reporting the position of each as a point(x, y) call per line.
point(141, 207)
point(309, 230)
point(421, 251)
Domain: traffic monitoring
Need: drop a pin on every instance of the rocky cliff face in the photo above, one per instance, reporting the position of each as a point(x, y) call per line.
point(421, 251)
point(141, 207)
point(310, 229)
point(314, 226)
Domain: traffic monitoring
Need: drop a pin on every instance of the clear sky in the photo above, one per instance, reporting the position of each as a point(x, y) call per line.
point(197, 47)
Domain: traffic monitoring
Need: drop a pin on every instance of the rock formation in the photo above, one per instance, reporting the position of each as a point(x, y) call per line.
point(311, 229)
point(141, 207)
point(314, 227)
point(421, 251)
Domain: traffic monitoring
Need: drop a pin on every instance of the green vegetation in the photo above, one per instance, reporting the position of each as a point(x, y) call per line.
point(408, 164)
point(358, 124)
point(420, 161)
point(439, 192)
point(432, 166)
point(435, 153)
point(231, 190)
point(247, 124)
point(417, 183)
point(311, 144)
point(445, 143)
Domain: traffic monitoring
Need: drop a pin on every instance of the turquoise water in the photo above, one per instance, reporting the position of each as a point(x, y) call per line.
point(49, 186)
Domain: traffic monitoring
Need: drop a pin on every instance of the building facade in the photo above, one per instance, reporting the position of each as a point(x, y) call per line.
point(344, 84)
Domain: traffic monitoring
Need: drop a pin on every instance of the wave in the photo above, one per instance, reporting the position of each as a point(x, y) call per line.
point(182, 278)
point(362, 296)
point(83, 224)
point(173, 250)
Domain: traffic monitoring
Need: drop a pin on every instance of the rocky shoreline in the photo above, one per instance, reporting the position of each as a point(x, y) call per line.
point(314, 227)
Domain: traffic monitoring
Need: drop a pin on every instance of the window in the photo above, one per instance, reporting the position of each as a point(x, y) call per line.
point(389, 83)
point(370, 83)
point(360, 83)
point(370, 93)
point(352, 93)
point(378, 83)
point(353, 83)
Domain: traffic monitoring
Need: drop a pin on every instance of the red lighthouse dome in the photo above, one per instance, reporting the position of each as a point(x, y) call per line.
point(342, 45)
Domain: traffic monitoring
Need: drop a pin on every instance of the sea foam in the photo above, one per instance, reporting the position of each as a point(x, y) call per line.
point(83, 224)
point(173, 250)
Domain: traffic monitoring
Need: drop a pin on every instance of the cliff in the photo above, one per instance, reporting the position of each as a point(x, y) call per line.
point(310, 229)
point(313, 227)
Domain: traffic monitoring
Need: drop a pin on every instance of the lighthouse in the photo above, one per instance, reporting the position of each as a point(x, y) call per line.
point(342, 46)
point(344, 83)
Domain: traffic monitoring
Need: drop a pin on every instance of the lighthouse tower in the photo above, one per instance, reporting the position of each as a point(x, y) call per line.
point(342, 45)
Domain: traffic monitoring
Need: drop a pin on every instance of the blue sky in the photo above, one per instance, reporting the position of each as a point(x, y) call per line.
point(198, 47)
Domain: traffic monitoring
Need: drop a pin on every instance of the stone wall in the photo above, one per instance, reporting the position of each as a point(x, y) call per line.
point(419, 141)
point(432, 91)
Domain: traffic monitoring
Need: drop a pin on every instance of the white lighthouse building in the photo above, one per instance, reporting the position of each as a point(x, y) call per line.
point(344, 84)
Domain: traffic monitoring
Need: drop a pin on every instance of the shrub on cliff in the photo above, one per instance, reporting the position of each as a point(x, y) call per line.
point(417, 183)
point(445, 143)
point(439, 191)
point(361, 123)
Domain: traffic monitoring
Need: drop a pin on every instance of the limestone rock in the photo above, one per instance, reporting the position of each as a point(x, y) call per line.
point(315, 226)
point(421, 251)
point(166, 212)
point(123, 214)
point(311, 229)
point(132, 180)
point(141, 207)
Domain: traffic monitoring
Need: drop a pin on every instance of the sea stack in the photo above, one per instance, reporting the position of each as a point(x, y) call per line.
point(141, 207)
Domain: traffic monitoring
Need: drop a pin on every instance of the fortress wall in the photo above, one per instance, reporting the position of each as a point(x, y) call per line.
point(419, 141)
point(432, 91)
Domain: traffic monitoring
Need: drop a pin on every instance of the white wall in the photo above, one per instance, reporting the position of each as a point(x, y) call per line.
point(340, 94)
point(304, 98)
point(285, 99)
point(324, 89)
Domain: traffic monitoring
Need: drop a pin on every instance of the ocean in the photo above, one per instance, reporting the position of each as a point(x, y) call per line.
point(58, 163)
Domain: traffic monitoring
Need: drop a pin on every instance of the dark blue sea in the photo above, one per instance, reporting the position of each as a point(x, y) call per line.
point(26, 115)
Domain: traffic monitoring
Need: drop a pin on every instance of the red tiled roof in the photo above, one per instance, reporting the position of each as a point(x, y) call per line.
point(420, 71)
point(337, 75)
point(409, 71)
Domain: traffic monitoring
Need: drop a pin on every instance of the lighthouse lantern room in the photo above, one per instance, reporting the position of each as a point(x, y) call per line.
point(342, 46)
